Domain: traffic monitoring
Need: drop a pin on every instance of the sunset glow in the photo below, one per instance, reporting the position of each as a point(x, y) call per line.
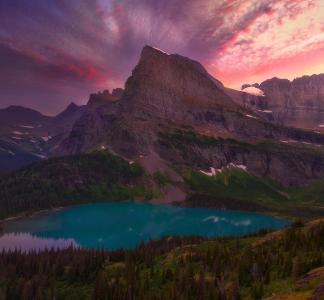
point(60, 51)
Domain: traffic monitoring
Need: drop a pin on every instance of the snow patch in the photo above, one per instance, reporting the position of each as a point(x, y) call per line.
point(294, 142)
point(214, 171)
point(250, 116)
point(11, 152)
point(8, 151)
point(18, 132)
point(16, 138)
point(265, 111)
point(130, 162)
point(160, 50)
point(211, 173)
point(42, 156)
point(289, 141)
point(253, 91)
point(46, 138)
point(27, 126)
point(242, 167)
point(321, 125)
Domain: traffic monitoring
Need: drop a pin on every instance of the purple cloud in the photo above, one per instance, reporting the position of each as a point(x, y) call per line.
point(71, 48)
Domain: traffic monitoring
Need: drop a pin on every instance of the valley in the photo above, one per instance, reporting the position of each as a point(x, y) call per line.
point(175, 157)
point(162, 150)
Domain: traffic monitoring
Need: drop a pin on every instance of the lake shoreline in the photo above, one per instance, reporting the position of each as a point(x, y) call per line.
point(182, 204)
point(29, 214)
point(126, 224)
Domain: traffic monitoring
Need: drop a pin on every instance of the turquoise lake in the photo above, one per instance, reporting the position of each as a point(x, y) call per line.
point(126, 224)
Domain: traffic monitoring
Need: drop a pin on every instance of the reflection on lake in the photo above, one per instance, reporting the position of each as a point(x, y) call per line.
point(27, 242)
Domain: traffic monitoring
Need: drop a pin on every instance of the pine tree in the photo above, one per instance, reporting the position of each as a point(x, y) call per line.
point(100, 289)
point(296, 268)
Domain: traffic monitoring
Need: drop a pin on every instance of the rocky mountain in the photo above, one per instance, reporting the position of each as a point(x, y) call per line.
point(167, 94)
point(103, 97)
point(12, 156)
point(26, 135)
point(298, 103)
point(64, 121)
point(171, 117)
point(190, 136)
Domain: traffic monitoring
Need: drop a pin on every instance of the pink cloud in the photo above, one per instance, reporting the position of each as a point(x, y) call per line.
point(97, 43)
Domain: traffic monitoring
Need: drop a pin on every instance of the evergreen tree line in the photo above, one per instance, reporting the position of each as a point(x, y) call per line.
point(178, 268)
point(99, 176)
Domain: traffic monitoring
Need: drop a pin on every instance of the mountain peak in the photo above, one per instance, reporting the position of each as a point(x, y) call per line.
point(156, 58)
point(72, 105)
point(167, 84)
point(149, 51)
point(16, 114)
point(18, 108)
point(70, 108)
point(69, 111)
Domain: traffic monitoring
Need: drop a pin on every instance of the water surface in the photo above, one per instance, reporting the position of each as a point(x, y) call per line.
point(126, 224)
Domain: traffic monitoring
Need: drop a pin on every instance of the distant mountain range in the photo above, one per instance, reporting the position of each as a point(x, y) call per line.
point(27, 136)
point(297, 103)
point(174, 118)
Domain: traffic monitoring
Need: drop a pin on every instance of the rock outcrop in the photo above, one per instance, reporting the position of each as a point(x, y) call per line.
point(298, 103)
point(289, 164)
point(104, 97)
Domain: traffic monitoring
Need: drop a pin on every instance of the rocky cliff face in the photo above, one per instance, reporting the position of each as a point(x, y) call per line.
point(298, 103)
point(168, 92)
point(164, 85)
point(289, 164)
point(104, 97)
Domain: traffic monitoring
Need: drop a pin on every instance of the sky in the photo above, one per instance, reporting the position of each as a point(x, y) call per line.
point(53, 52)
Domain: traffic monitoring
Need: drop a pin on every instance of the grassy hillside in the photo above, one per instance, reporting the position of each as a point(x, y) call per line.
point(234, 188)
point(286, 264)
point(310, 195)
point(237, 186)
point(102, 176)
point(97, 176)
point(237, 189)
point(184, 138)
